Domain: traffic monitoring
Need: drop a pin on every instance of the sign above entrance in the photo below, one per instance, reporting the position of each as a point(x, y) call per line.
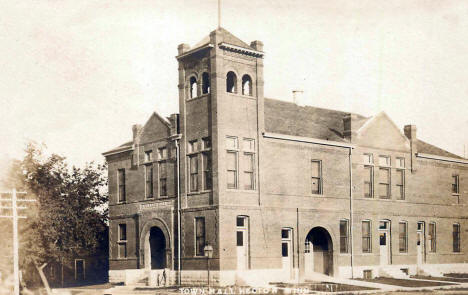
point(155, 206)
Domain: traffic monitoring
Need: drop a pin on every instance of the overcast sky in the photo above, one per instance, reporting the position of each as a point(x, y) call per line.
point(76, 75)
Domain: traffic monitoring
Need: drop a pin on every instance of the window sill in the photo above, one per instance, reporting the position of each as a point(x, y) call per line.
point(198, 193)
point(250, 191)
point(455, 194)
point(122, 259)
point(198, 97)
point(241, 95)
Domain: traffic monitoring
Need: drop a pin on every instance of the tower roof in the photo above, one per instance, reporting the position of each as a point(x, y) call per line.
point(226, 37)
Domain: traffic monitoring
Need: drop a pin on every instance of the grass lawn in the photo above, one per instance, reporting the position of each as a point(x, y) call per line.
point(405, 283)
point(457, 275)
point(459, 280)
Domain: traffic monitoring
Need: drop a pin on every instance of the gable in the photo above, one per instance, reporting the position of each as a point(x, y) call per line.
point(155, 128)
point(380, 132)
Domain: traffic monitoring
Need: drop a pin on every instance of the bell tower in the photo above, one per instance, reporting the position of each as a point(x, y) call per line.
point(220, 98)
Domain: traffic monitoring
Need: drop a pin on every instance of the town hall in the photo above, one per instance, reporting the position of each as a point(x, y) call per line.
point(263, 190)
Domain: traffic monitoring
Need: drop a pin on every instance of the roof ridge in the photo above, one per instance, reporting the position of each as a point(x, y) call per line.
point(319, 108)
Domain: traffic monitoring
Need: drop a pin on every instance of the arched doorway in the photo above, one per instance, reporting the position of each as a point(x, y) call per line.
point(318, 252)
point(157, 243)
point(155, 249)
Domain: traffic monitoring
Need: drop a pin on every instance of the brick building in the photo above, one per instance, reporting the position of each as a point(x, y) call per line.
point(280, 191)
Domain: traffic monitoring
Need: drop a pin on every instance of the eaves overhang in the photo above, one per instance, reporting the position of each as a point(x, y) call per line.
point(117, 151)
point(442, 158)
point(240, 49)
point(190, 52)
point(307, 140)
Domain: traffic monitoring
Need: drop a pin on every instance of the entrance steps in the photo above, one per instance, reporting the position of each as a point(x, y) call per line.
point(392, 272)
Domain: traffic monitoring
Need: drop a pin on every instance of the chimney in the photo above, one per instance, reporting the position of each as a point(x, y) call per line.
point(136, 128)
point(349, 127)
point(298, 97)
point(410, 132)
point(182, 48)
point(174, 120)
point(257, 45)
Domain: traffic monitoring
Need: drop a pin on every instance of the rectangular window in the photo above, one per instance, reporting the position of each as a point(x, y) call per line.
point(368, 159)
point(384, 183)
point(248, 145)
point(344, 236)
point(316, 176)
point(400, 183)
point(192, 146)
point(456, 237)
point(199, 236)
point(193, 171)
point(162, 153)
point(384, 161)
point(366, 237)
point(455, 184)
point(206, 143)
point(240, 221)
point(121, 184)
point(122, 243)
point(231, 163)
point(148, 156)
point(400, 162)
point(403, 237)
point(162, 179)
point(232, 146)
point(122, 232)
point(249, 164)
point(432, 237)
point(149, 180)
point(232, 143)
point(207, 179)
point(368, 181)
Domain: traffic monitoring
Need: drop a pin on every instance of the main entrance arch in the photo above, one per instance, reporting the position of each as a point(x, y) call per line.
point(156, 246)
point(318, 252)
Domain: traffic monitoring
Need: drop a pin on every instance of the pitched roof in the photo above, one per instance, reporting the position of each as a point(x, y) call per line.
point(121, 147)
point(290, 119)
point(426, 148)
point(227, 37)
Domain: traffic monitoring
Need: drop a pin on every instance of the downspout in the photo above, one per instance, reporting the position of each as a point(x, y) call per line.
point(351, 209)
point(179, 274)
point(298, 245)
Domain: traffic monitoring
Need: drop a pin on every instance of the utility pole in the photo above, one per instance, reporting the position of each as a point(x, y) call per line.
point(14, 215)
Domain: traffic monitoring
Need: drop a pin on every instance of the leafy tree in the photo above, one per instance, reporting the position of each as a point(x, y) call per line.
point(69, 218)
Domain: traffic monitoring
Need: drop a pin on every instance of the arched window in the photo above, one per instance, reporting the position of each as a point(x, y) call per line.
point(206, 83)
point(231, 82)
point(193, 87)
point(246, 85)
